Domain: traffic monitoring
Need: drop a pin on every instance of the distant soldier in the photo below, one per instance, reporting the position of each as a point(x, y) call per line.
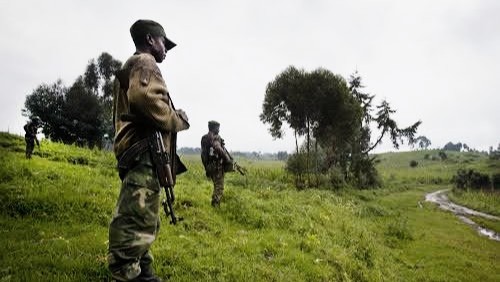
point(140, 92)
point(31, 129)
point(215, 159)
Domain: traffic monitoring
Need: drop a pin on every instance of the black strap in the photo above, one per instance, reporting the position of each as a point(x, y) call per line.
point(127, 158)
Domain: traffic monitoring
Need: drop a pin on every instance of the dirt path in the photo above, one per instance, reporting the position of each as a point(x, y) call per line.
point(440, 198)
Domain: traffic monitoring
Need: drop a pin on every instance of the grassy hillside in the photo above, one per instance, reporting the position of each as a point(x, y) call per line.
point(55, 210)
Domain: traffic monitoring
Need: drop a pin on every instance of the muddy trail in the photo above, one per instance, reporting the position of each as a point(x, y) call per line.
point(440, 198)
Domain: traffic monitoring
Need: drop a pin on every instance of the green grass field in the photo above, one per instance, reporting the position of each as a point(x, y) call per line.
point(55, 210)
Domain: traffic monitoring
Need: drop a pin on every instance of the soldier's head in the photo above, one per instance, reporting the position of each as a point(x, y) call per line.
point(36, 120)
point(214, 126)
point(149, 36)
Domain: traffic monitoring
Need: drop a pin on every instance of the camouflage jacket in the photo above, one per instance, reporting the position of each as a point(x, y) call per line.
point(144, 95)
point(212, 149)
point(31, 129)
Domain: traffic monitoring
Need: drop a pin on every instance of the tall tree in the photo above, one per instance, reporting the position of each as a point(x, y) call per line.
point(83, 114)
point(82, 111)
point(423, 142)
point(321, 106)
point(47, 102)
point(107, 67)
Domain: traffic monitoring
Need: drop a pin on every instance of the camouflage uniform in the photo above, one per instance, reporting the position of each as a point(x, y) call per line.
point(215, 158)
point(30, 137)
point(135, 223)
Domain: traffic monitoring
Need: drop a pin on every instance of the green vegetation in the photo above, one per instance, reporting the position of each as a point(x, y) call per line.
point(80, 113)
point(55, 209)
point(336, 118)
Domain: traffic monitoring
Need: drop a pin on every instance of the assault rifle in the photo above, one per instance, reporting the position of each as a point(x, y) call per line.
point(161, 161)
point(235, 166)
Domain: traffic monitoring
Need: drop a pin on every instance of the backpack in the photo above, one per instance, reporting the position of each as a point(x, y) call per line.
point(208, 156)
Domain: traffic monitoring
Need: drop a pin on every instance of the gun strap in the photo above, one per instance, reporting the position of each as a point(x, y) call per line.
point(127, 159)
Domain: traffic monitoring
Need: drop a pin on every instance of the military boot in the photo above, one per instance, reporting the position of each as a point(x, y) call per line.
point(147, 275)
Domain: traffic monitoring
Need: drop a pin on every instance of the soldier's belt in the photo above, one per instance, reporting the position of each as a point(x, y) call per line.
point(128, 158)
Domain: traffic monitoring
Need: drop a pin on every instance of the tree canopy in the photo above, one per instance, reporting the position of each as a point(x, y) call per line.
point(337, 115)
point(80, 113)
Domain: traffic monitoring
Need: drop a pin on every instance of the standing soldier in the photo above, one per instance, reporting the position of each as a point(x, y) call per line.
point(31, 129)
point(140, 92)
point(215, 159)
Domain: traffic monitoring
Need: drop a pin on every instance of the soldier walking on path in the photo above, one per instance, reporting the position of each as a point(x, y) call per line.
point(215, 159)
point(31, 129)
point(141, 93)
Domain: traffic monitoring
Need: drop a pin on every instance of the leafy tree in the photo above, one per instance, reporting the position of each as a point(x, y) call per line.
point(83, 114)
point(80, 113)
point(311, 104)
point(91, 77)
point(285, 102)
point(321, 106)
point(47, 102)
point(282, 155)
point(107, 66)
point(423, 142)
point(450, 146)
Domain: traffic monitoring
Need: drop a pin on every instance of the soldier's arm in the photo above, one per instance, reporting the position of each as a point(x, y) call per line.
point(148, 97)
point(220, 150)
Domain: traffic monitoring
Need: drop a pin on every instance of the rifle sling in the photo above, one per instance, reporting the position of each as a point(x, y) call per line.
point(127, 160)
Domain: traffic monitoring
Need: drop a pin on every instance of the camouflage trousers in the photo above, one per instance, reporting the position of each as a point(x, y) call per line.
point(30, 146)
point(218, 180)
point(135, 222)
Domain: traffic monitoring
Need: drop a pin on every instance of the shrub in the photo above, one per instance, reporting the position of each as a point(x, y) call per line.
point(443, 155)
point(495, 181)
point(413, 163)
point(470, 179)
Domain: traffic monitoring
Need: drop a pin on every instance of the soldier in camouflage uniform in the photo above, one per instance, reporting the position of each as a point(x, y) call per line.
point(140, 91)
point(31, 129)
point(215, 159)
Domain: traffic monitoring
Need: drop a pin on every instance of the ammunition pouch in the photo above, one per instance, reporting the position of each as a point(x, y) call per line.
point(128, 159)
point(211, 168)
point(228, 166)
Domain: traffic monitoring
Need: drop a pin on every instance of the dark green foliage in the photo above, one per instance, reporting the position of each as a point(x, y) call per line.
point(450, 146)
point(365, 173)
point(79, 114)
point(470, 178)
point(413, 163)
point(423, 142)
point(443, 155)
point(335, 119)
point(495, 181)
point(494, 154)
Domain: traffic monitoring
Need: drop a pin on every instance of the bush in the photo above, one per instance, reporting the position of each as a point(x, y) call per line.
point(495, 181)
point(443, 155)
point(336, 178)
point(413, 163)
point(470, 179)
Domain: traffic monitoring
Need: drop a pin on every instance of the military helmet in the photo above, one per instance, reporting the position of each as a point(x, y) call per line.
point(213, 124)
point(141, 28)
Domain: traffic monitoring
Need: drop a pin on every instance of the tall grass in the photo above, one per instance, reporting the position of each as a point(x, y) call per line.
point(55, 210)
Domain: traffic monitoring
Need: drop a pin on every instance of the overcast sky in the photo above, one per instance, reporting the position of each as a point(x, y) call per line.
point(437, 61)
